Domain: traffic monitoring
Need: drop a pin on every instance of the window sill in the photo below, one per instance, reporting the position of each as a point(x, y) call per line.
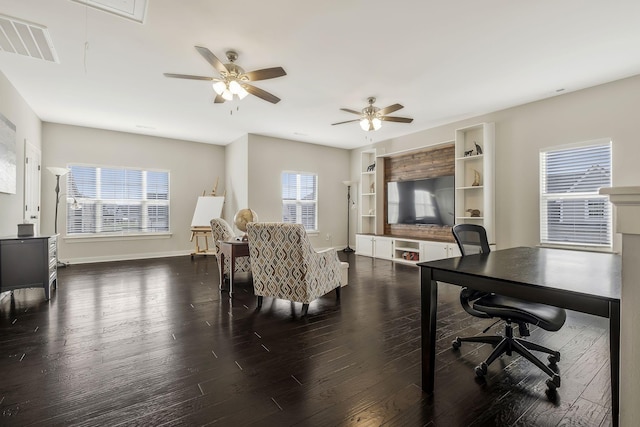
point(578, 248)
point(115, 237)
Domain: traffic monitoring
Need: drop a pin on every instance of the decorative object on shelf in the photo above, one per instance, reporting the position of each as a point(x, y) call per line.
point(371, 167)
point(476, 178)
point(242, 218)
point(411, 256)
point(372, 188)
point(234, 81)
point(348, 184)
point(371, 117)
point(372, 212)
point(478, 148)
point(475, 213)
point(468, 153)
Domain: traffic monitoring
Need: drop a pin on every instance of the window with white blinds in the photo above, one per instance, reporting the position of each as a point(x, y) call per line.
point(300, 199)
point(571, 210)
point(116, 201)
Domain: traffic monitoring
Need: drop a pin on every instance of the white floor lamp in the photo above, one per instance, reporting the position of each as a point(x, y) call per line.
point(348, 184)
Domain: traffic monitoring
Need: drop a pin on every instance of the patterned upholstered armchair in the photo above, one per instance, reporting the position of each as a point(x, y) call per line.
point(221, 230)
point(285, 265)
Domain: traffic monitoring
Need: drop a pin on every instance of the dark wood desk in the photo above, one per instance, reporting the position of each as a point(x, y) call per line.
point(587, 282)
point(231, 249)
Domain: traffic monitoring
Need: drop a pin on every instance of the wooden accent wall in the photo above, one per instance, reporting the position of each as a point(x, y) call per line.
point(427, 163)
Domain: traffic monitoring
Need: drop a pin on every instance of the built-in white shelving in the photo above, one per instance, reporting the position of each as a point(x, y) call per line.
point(368, 192)
point(474, 176)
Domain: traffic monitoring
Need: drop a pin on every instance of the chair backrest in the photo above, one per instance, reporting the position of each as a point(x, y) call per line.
point(220, 230)
point(285, 264)
point(471, 239)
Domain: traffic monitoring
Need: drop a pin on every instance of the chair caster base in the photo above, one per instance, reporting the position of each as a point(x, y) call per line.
point(456, 343)
point(481, 370)
point(553, 383)
point(554, 358)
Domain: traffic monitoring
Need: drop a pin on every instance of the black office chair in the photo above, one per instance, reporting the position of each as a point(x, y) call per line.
point(472, 239)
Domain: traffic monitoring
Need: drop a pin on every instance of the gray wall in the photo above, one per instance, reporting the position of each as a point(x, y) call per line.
point(269, 157)
point(609, 110)
point(237, 178)
point(28, 128)
point(193, 168)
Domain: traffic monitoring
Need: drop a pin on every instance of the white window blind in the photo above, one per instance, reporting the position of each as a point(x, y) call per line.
point(571, 210)
point(300, 199)
point(116, 201)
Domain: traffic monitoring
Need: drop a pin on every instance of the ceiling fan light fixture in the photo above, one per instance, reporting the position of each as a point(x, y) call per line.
point(236, 88)
point(227, 95)
point(219, 87)
point(370, 123)
point(242, 93)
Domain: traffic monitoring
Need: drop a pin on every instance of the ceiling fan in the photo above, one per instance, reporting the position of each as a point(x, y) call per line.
point(233, 80)
point(371, 117)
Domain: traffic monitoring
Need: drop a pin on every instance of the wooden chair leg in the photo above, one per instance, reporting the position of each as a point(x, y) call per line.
point(259, 302)
point(338, 293)
point(305, 309)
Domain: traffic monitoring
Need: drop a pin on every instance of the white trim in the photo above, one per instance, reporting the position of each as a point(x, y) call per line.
point(128, 257)
point(114, 238)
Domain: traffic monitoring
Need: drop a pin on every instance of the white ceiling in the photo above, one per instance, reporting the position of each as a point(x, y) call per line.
point(443, 60)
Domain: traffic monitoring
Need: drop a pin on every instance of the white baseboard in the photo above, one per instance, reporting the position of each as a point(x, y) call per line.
point(127, 257)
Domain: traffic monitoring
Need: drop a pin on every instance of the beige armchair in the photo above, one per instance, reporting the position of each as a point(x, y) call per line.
point(285, 265)
point(221, 230)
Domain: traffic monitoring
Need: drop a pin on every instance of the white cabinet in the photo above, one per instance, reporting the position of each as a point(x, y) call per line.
point(364, 245)
point(430, 251)
point(408, 251)
point(374, 246)
point(474, 204)
point(383, 247)
point(368, 192)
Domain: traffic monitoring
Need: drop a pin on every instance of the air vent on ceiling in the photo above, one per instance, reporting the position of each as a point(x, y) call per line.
point(130, 9)
point(26, 38)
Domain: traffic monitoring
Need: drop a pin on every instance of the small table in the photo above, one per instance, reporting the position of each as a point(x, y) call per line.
point(29, 262)
point(587, 282)
point(231, 249)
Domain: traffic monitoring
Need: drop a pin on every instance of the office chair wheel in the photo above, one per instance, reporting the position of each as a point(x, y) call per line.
point(456, 343)
point(553, 383)
point(554, 358)
point(481, 370)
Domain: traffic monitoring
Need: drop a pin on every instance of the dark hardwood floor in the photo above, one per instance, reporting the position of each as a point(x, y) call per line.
point(154, 342)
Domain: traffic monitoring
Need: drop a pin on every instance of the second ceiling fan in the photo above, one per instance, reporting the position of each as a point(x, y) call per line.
point(233, 80)
point(371, 117)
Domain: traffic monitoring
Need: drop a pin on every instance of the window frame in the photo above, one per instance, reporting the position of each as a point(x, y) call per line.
point(549, 240)
point(143, 201)
point(299, 202)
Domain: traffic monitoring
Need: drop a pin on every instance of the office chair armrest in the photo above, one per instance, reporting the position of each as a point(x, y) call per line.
point(467, 296)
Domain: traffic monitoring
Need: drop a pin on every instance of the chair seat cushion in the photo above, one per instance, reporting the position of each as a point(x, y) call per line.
point(547, 317)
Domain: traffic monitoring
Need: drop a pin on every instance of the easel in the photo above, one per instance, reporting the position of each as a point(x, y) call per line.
point(205, 233)
point(206, 207)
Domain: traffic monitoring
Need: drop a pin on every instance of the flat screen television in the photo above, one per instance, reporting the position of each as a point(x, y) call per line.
point(421, 202)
